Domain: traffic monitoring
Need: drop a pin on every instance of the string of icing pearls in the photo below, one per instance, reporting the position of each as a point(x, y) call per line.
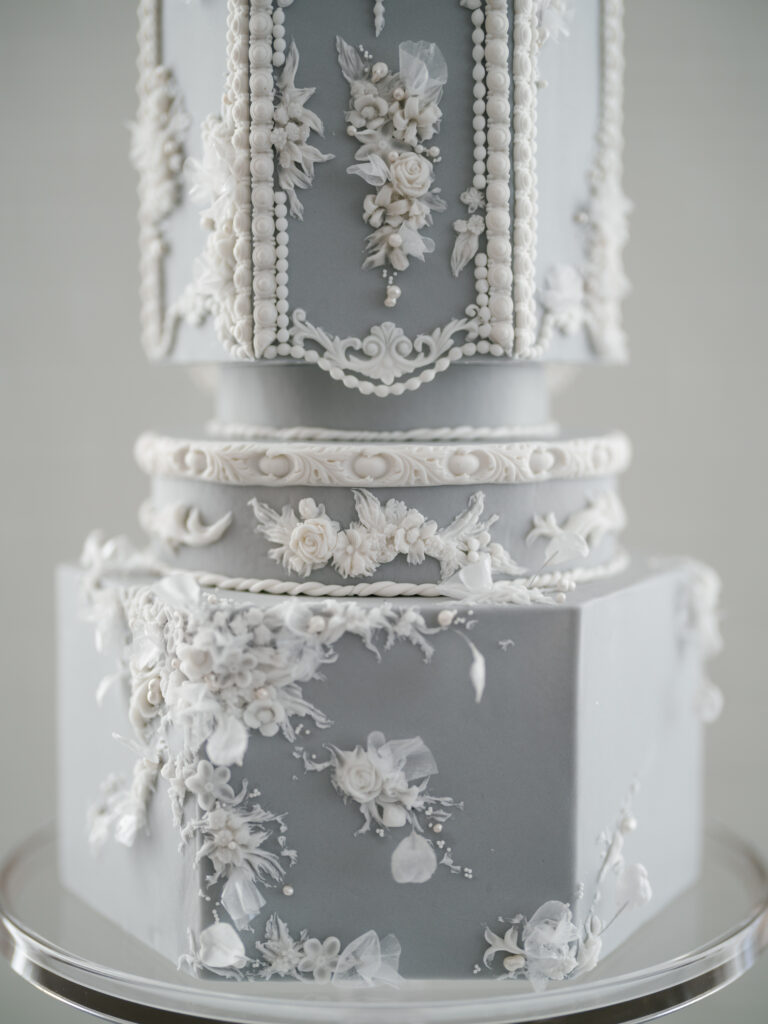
point(267, 47)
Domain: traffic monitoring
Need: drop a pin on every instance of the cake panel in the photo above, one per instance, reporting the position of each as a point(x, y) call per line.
point(370, 774)
point(381, 197)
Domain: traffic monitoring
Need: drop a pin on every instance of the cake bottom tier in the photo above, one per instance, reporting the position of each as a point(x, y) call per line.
point(357, 790)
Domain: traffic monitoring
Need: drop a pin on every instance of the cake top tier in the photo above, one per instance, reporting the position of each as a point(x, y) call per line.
point(382, 189)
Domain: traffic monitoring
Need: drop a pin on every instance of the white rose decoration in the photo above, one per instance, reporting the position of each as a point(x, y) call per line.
point(312, 543)
point(357, 776)
point(411, 175)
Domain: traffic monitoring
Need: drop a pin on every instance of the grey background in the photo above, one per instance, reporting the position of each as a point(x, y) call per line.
point(75, 390)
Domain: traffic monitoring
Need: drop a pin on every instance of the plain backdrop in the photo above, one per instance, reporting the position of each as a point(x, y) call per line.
point(75, 390)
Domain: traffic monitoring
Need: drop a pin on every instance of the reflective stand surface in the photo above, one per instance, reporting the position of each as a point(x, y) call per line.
point(702, 942)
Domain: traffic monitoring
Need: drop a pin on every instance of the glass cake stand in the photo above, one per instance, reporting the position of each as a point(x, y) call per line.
point(706, 939)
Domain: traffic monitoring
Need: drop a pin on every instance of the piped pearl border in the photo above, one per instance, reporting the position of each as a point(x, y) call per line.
point(263, 53)
point(237, 96)
point(250, 463)
point(524, 87)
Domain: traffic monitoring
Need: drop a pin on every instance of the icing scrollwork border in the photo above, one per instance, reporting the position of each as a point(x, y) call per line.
point(274, 464)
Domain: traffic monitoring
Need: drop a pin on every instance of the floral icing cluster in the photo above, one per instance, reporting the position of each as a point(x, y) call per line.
point(206, 674)
point(367, 960)
point(388, 781)
point(293, 125)
point(392, 114)
point(550, 945)
point(309, 539)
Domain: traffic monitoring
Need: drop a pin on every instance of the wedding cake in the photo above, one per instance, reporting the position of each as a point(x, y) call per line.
point(384, 696)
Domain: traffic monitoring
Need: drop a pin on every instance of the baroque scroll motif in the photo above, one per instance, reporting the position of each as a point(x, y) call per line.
point(182, 525)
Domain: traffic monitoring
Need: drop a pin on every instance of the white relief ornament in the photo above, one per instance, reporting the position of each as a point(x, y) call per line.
point(379, 14)
point(233, 842)
point(591, 294)
point(220, 181)
point(388, 781)
point(701, 632)
point(392, 115)
point(208, 676)
point(552, 944)
point(581, 531)
point(554, 19)
point(311, 540)
point(364, 962)
point(385, 355)
point(293, 125)
point(182, 525)
point(157, 153)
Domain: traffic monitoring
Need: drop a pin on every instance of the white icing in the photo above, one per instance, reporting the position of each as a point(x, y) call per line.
point(379, 14)
point(249, 432)
point(293, 123)
point(388, 781)
point(268, 213)
point(386, 362)
point(590, 296)
point(581, 531)
point(201, 672)
point(367, 960)
point(525, 77)
point(552, 945)
point(221, 182)
point(392, 115)
point(475, 588)
point(180, 524)
point(251, 463)
point(157, 152)
point(311, 540)
point(701, 632)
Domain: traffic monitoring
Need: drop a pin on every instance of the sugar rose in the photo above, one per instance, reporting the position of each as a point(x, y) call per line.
point(411, 175)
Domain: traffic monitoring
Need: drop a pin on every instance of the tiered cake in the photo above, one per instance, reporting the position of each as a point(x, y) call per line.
point(385, 696)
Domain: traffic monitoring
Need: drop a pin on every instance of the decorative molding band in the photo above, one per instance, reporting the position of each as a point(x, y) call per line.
point(249, 463)
point(253, 432)
point(502, 591)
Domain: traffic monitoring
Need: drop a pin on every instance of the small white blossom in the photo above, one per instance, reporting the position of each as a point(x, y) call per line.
point(320, 959)
point(210, 785)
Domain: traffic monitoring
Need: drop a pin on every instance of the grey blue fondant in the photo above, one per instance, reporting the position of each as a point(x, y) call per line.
point(587, 708)
point(487, 393)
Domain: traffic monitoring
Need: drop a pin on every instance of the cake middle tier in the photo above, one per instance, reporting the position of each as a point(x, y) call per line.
point(518, 521)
